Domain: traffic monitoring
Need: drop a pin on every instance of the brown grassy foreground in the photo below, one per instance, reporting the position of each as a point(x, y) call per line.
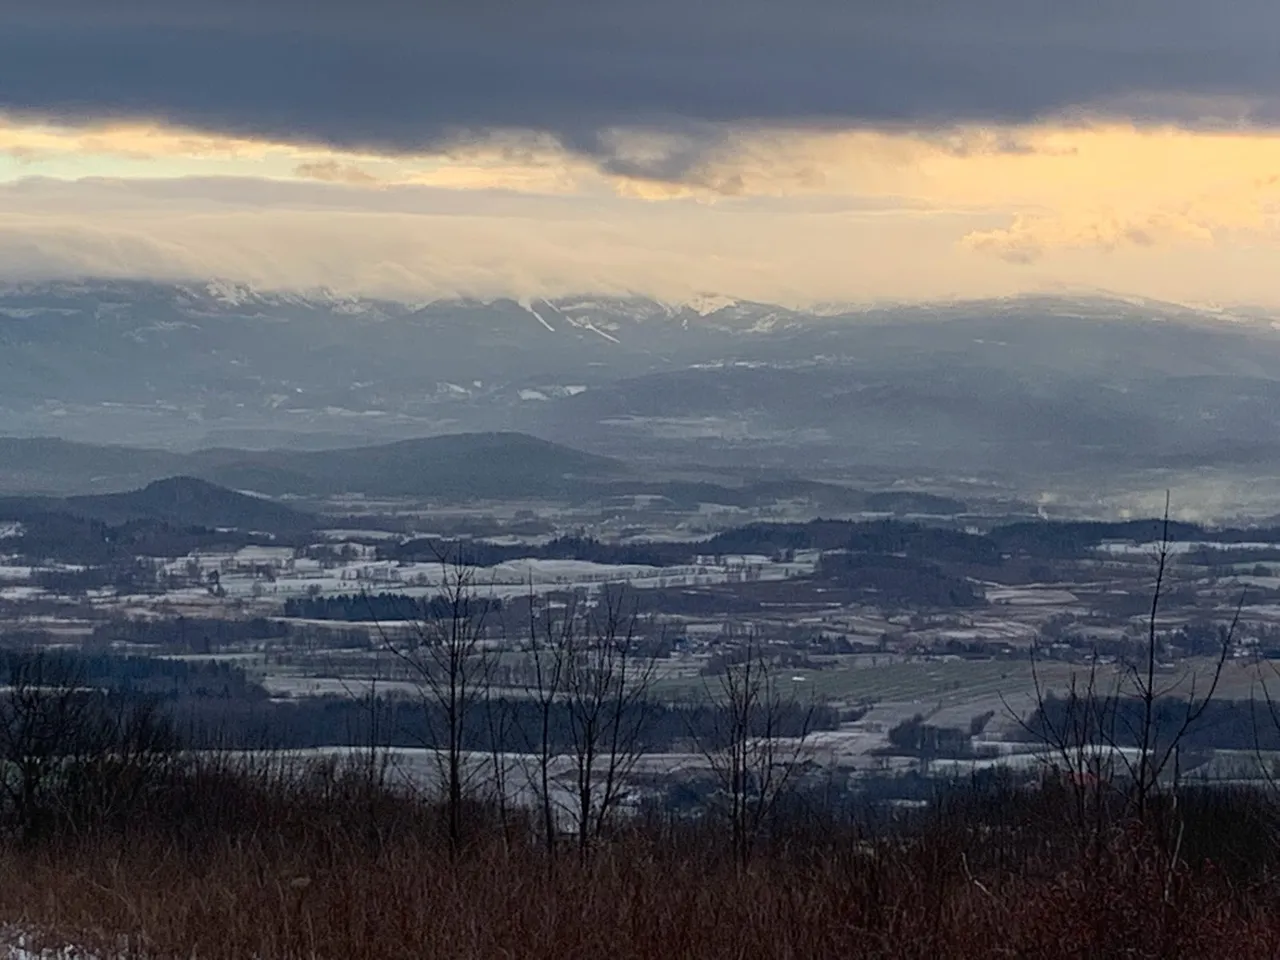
point(223, 864)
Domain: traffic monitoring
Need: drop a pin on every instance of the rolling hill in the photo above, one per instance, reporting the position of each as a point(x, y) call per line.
point(180, 502)
point(454, 467)
point(189, 502)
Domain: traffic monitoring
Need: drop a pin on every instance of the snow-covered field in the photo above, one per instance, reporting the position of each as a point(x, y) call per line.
point(1033, 595)
point(297, 578)
point(1127, 549)
point(259, 580)
point(292, 687)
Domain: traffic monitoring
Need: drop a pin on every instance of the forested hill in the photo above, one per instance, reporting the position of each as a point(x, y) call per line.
point(178, 501)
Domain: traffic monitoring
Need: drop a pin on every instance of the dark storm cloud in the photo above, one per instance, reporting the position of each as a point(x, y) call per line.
point(399, 75)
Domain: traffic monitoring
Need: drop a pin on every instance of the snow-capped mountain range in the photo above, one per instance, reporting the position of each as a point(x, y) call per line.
point(217, 342)
point(1046, 380)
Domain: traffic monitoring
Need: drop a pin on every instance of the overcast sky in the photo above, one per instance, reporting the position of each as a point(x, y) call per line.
point(793, 150)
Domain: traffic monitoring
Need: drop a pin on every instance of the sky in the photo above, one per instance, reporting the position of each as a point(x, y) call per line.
point(794, 151)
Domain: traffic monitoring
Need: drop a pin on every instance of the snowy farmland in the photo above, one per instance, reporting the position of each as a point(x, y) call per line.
point(266, 575)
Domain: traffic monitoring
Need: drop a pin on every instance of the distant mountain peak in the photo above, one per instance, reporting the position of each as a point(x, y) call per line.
point(232, 294)
point(705, 304)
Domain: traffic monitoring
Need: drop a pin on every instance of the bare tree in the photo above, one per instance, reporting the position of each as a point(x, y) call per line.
point(444, 654)
point(1075, 731)
point(370, 757)
point(756, 744)
point(500, 722)
point(128, 747)
point(1157, 749)
point(43, 716)
point(552, 637)
point(75, 757)
point(1091, 730)
point(607, 680)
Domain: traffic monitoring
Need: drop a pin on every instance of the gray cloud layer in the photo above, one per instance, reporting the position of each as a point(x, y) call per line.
point(402, 74)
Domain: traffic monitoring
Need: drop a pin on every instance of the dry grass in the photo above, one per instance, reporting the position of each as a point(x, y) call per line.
point(301, 873)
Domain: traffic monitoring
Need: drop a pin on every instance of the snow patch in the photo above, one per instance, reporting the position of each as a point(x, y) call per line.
point(527, 305)
point(19, 945)
point(583, 324)
point(594, 329)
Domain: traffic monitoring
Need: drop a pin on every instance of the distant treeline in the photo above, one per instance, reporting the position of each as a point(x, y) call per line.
point(1221, 557)
point(512, 723)
point(112, 549)
point(879, 536)
point(917, 738)
point(899, 580)
point(1067, 539)
point(155, 677)
point(194, 635)
point(124, 575)
point(382, 607)
point(504, 723)
point(64, 538)
point(481, 554)
point(218, 704)
point(1039, 539)
point(1224, 725)
point(767, 539)
point(200, 635)
point(189, 634)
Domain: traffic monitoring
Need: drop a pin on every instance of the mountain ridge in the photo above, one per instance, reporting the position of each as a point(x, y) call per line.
point(1027, 384)
point(233, 296)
